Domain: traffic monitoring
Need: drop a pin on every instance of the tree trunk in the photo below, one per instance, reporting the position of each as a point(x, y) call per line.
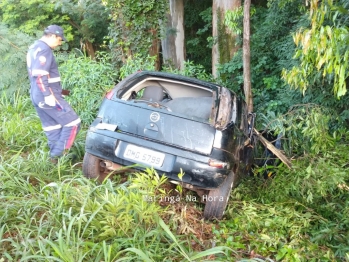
point(90, 50)
point(224, 46)
point(86, 45)
point(154, 49)
point(173, 48)
point(247, 57)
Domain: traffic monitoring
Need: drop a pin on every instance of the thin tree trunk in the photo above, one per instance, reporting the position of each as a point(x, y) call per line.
point(154, 49)
point(90, 50)
point(247, 57)
point(173, 48)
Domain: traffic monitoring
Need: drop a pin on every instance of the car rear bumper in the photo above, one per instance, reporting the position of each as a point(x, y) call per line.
point(110, 146)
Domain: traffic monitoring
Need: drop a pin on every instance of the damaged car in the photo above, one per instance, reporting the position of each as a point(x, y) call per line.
point(174, 124)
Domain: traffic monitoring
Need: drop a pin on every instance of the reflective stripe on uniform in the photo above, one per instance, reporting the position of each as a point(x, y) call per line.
point(74, 123)
point(39, 72)
point(54, 80)
point(40, 84)
point(71, 138)
point(50, 128)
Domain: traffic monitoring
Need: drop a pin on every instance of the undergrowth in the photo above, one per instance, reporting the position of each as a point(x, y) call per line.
point(52, 213)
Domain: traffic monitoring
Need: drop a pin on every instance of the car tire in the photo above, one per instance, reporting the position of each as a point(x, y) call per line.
point(217, 199)
point(91, 166)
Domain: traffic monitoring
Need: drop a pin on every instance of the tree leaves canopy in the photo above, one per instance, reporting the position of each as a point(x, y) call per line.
point(135, 26)
point(13, 69)
point(323, 47)
point(81, 20)
point(30, 16)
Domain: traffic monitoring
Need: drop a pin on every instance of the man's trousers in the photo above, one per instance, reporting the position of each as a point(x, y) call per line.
point(60, 123)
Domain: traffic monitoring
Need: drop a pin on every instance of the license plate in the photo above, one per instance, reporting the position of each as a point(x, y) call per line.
point(144, 155)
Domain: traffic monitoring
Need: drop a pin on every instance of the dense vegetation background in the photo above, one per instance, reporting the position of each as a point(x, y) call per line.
point(299, 60)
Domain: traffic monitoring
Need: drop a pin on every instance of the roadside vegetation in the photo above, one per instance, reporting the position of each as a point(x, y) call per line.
point(53, 213)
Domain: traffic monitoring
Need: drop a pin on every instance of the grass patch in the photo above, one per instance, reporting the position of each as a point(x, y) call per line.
point(52, 213)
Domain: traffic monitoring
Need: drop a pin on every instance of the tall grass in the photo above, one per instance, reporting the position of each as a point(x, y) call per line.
point(74, 219)
point(88, 81)
point(52, 213)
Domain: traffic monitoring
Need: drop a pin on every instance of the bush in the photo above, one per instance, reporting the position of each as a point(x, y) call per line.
point(13, 69)
point(313, 196)
point(305, 129)
point(136, 63)
point(88, 80)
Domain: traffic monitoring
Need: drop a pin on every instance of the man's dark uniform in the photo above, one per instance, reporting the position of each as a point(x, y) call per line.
point(60, 122)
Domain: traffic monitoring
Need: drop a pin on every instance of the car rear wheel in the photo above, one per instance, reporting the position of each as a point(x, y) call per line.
point(91, 167)
point(217, 199)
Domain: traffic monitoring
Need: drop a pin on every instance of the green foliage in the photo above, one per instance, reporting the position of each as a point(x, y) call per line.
point(18, 122)
point(234, 19)
point(13, 69)
point(299, 215)
point(305, 129)
point(322, 48)
point(88, 80)
point(271, 51)
point(25, 15)
point(180, 249)
point(192, 70)
point(135, 27)
point(198, 32)
point(136, 63)
point(86, 19)
point(272, 48)
point(74, 218)
point(315, 192)
point(53, 212)
point(271, 232)
point(90, 19)
point(294, 215)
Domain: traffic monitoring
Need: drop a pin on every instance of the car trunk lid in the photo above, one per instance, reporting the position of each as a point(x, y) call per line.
point(159, 125)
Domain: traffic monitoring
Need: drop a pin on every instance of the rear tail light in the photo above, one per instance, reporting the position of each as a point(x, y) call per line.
point(218, 164)
point(110, 94)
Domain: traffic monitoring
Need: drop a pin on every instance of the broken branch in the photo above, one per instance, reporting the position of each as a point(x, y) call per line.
point(273, 149)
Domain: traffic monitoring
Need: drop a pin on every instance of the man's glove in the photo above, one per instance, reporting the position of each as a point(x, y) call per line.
point(50, 100)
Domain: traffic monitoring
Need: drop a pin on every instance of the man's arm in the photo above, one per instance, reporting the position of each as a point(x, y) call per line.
point(41, 64)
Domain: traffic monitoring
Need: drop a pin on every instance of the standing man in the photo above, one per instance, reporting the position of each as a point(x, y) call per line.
point(59, 121)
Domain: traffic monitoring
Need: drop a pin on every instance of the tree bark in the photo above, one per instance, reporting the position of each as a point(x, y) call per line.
point(86, 45)
point(154, 49)
point(247, 57)
point(90, 50)
point(173, 48)
point(224, 46)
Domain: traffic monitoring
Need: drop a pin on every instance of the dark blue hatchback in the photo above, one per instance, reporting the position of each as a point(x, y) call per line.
point(174, 124)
